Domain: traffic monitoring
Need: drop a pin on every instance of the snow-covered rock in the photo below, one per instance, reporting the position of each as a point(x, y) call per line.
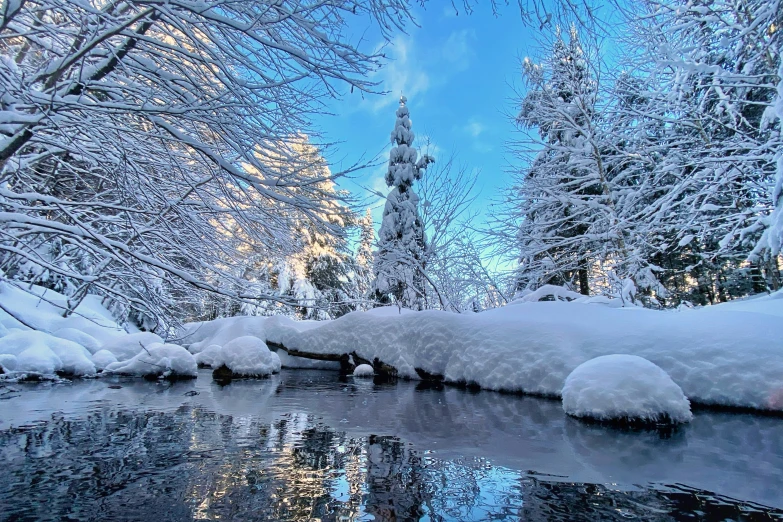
point(160, 360)
point(126, 347)
point(8, 362)
point(198, 336)
point(103, 358)
point(363, 370)
point(624, 388)
point(209, 356)
point(248, 356)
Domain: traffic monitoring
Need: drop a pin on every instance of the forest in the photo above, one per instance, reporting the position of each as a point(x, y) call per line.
point(161, 156)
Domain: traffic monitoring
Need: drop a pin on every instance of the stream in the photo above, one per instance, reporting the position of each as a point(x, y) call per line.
point(312, 445)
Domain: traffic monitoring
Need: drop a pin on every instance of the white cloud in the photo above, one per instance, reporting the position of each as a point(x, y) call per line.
point(474, 128)
point(403, 74)
point(458, 48)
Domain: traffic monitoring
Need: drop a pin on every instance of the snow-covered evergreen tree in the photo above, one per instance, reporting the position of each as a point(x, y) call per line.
point(399, 261)
point(363, 260)
point(568, 220)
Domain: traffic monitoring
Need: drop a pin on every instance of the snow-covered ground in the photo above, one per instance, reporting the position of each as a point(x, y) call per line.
point(729, 354)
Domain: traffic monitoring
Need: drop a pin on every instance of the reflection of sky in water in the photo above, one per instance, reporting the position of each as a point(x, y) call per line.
point(305, 445)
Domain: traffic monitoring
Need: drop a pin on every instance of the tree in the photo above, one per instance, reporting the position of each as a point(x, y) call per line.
point(363, 260)
point(563, 201)
point(130, 129)
point(399, 261)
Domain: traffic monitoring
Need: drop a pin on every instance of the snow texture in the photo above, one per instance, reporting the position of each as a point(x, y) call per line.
point(363, 370)
point(128, 346)
point(209, 356)
point(249, 356)
point(103, 358)
point(717, 355)
point(159, 360)
point(624, 388)
point(42, 354)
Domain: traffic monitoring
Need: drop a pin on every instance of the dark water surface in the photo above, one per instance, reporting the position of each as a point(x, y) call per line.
point(305, 445)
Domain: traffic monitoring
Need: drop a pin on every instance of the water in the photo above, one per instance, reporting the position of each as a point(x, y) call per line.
point(305, 445)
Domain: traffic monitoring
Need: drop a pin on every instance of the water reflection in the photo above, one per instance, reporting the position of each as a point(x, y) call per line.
point(307, 447)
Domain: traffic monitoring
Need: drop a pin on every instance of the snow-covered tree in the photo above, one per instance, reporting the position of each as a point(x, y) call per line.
point(363, 260)
point(128, 129)
point(702, 139)
point(563, 201)
point(400, 258)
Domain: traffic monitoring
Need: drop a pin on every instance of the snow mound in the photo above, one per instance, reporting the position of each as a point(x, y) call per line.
point(249, 356)
point(45, 355)
point(209, 356)
point(42, 309)
point(624, 388)
point(158, 360)
point(126, 347)
point(7, 362)
point(363, 370)
point(198, 336)
point(103, 358)
point(79, 337)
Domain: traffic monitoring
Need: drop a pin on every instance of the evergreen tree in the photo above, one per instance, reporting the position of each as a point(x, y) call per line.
point(363, 261)
point(568, 221)
point(399, 261)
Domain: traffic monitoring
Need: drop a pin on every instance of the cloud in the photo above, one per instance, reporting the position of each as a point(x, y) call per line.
point(458, 48)
point(403, 74)
point(474, 128)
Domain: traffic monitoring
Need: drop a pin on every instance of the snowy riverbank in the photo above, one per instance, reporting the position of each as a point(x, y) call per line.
point(729, 354)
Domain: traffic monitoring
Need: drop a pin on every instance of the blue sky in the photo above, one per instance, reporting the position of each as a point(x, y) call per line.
point(457, 73)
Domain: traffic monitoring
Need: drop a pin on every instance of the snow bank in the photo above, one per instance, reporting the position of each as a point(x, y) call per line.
point(198, 336)
point(43, 355)
point(248, 356)
point(732, 358)
point(624, 388)
point(129, 346)
point(103, 358)
point(363, 370)
point(168, 361)
point(209, 356)
point(43, 309)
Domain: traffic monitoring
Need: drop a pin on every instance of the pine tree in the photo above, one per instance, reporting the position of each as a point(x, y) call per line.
point(399, 261)
point(363, 260)
point(568, 221)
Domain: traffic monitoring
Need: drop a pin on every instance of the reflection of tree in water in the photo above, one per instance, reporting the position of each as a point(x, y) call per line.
point(396, 488)
point(192, 463)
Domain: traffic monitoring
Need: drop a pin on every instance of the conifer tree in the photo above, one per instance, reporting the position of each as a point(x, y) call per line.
point(399, 261)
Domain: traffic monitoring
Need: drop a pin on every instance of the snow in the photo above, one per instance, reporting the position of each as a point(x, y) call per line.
point(44, 354)
point(128, 346)
point(79, 337)
point(220, 331)
point(209, 356)
point(625, 388)
point(43, 309)
point(103, 358)
point(249, 356)
point(363, 370)
point(717, 355)
point(159, 360)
